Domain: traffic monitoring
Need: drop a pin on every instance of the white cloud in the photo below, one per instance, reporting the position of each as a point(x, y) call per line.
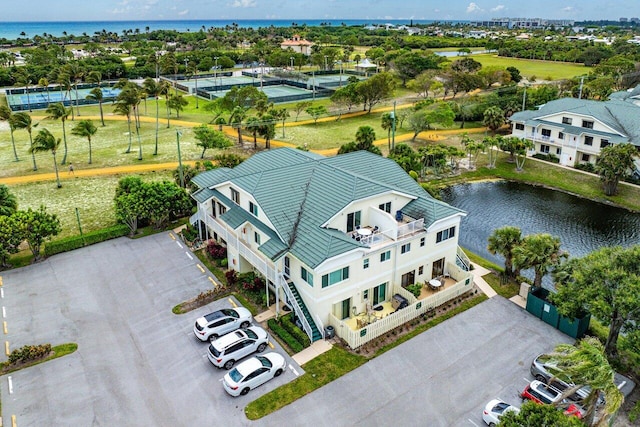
point(473, 8)
point(498, 8)
point(244, 3)
point(183, 12)
point(568, 9)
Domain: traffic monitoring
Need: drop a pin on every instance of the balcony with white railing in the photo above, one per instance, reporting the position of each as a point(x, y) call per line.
point(378, 234)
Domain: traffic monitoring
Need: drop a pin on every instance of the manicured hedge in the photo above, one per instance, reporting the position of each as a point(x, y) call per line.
point(75, 242)
point(297, 333)
point(277, 329)
point(29, 353)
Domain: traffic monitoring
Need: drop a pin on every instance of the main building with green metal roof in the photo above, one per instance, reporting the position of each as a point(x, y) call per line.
point(333, 236)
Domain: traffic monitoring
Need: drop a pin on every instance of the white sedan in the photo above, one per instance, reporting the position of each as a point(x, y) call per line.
point(496, 409)
point(252, 373)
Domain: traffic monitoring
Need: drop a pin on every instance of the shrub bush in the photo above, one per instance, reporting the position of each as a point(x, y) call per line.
point(587, 167)
point(415, 289)
point(547, 157)
point(300, 336)
point(29, 353)
point(232, 277)
point(76, 242)
point(293, 344)
point(216, 251)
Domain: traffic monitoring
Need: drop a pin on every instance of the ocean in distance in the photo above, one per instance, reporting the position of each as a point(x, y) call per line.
point(13, 30)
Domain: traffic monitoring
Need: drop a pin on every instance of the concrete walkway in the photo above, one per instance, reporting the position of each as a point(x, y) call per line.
point(479, 271)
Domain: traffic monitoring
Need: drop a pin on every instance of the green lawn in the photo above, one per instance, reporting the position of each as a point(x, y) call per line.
point(537, 68)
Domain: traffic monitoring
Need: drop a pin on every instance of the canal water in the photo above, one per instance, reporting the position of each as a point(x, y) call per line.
point(582, 225)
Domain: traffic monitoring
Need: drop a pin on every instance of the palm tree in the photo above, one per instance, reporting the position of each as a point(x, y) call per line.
point(123, 105)
point(493, 118)
point(365, 136)
point(267, 129)
point(22, 120)
point(586, 364)
point(85, 129)
point(540, 252)
point(75, 73)
point(177, 102)
point(23, 78)
point(237, 117)
point(503, 241)
point(155, 89)
point(96, 95)
point(44, 82)
point(65, 83)
point(45, 141)
point(387, 124)
point(6, 114)
point(58, 111)
point(253, 124)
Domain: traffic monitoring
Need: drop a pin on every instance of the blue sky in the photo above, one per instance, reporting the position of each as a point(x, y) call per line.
point(123, 10)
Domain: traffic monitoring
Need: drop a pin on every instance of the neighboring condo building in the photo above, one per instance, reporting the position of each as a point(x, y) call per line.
point(523, 23)
point(337, 238)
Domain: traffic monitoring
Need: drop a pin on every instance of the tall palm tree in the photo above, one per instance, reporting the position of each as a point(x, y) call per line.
point(96, 95)
point(44, 82)
point(75, 72)
point(45, 141)
point(123, 105)
point(503, 241)
point(253, 125)
point(6, 114)
point(58, 111)
point(22, 120)
point(237, 117)
point(85, 129)
point(387, 124)
point(127, 103)
point(365, 136)
point(23, 78)
point(64, 81)
point(154, 89)
point(586, 364)
point(540, 252)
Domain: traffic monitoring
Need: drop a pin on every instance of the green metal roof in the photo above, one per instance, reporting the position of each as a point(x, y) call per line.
point(300, 191)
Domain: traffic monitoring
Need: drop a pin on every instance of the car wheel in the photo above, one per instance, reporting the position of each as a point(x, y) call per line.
point(492, 425)
point(278, 372)
point(261, 347)
point(244, 391)
point(541, 378)
point(229, 364)
point(213, 337)
point(244, 325)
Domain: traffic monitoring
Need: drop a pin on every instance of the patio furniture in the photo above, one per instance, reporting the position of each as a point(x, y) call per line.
point(435, 284)
point(364, 232)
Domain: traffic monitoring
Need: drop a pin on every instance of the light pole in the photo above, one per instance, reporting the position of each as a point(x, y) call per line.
point(215, 73)
point(325, 62)
point(524, 97)
point(291, 58)
point(180, 173)
point(195, 73)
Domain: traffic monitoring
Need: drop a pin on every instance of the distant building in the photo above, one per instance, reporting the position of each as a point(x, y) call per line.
point(298, 45)
point(528, 23)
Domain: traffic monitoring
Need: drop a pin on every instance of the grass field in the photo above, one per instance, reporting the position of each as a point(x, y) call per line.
point(539, 69)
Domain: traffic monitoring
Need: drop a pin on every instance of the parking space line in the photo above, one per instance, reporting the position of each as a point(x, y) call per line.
point(172, 236)
point(6, 348)
point(2, 292)
point(294, 370)
point(179, 244)
point(13, 421)
point(200, 267)
point(0, 280)
point(4, 326)
point(211, 280)
point(233, 303)
point(271, 345)
point(10, 384)
point(189, 255)
point(526, 380)
point(4, 312)
point(472, 422)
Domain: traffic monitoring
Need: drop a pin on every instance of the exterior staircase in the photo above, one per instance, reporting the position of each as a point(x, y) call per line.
point(301, 310)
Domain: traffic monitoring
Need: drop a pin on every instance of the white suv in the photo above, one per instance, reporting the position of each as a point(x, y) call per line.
point(226, 350)
point(221, 322)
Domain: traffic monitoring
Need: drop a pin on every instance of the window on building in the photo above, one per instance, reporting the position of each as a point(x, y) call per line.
point(213, 208)
point(558, 151)
point(253, 208)
point(221, 208)
point(560, 135)
point(420, 270)
point(567, 120)
point(385, 207)
point(256, 237)
point(306, 276)
point(585, 157)
point(544, 148)
point(353, 221)
point(519, 126)
point(365, 295)
point(546, 132)
point(335, 277)
point(405, 248)
point(235, 196)
point(604, 143)
point(587, 124)
point(588, 140)
point(422, 241)
point(385, 256)
point(445, 234)
point(365, 263)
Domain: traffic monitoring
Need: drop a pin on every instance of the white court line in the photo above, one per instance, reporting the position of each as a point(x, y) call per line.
point(10, 385)
point(189, 255)
point(179, 244)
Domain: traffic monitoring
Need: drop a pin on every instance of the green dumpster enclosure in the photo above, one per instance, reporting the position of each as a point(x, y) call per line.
point(539, 305)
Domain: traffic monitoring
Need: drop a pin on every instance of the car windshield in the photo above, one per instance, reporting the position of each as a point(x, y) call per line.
point(265, 362)
point(229, 312)
point(213, 316)
point(500, 407)
point(251, 334)
point(235, 375)
point(213, 350)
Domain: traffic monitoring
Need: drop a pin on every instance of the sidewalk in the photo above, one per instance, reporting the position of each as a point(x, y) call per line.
point(479, 271)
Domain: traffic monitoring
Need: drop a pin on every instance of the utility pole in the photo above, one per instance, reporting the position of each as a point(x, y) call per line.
point(181, 174)
point(524, 97)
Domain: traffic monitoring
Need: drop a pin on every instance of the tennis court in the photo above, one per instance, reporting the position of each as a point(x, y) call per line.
point(40, 99)
point(220, 81)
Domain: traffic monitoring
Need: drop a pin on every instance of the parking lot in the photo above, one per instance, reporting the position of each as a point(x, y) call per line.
point(443, 377)
point(137, 363)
